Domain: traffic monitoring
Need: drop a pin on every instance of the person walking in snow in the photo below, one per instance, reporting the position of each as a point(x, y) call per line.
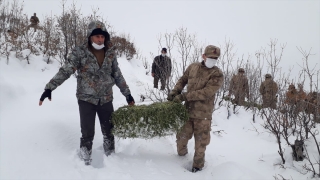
point(203, 80)
point(268, 90)
point(96, 64)
point(161, 69)
point(239, 87)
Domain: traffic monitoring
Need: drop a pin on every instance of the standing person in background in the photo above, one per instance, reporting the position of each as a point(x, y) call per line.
point(97, 67)
point(269, 90)
point(239, 87)
point(204, 79)
point(161, 69)
point(34, 20)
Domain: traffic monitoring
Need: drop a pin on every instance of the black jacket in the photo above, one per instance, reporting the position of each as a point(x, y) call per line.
point(161, 66)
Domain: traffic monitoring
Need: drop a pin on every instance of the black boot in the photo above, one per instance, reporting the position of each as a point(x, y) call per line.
point(195, 169)
point(85, 155)
point(108, 145)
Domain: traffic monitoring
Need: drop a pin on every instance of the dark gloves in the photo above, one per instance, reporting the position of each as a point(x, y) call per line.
point(45, 94)
point(130, 100)
point(172, 94)
point(180, 98)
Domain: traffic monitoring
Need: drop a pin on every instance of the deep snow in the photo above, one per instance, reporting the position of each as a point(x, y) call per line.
point(41, 142)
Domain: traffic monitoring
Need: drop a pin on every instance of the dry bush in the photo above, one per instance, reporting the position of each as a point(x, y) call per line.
point(124, 46)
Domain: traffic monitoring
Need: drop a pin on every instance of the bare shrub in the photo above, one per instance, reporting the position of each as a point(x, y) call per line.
point(124, 46)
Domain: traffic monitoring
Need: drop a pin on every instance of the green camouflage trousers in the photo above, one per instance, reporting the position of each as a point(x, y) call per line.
point(201, 131)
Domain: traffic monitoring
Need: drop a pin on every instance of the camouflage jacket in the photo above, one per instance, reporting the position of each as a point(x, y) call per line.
point(203, 83)
point(161, 66)
point(239, 84)
point(93, 83)
point(268, 89)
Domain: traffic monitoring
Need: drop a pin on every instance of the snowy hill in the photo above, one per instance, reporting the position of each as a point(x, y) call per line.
point(41, 142)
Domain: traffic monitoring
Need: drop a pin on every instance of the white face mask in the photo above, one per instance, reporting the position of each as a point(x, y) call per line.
point(163, 55)
point(97, 47)
point(210, 62)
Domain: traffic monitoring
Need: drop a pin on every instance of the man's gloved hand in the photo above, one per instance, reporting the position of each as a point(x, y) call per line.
point(130, 100)
point(45, 94)
point(180, 98)
point(172, 94)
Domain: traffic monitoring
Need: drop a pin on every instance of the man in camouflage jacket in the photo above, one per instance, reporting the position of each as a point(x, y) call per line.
point(203, 80)
point(239, 87)
point(97, 68)
point(268, 90)
point(161, 69)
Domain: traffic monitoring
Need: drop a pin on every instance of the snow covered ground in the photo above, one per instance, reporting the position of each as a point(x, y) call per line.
point(41, 142)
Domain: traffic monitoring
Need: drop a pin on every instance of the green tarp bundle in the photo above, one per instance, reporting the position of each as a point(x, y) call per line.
point(149, 121)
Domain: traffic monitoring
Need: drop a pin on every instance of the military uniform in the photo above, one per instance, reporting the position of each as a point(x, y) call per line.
point(268, 90)
point(96, 76)
point(291, 95)
point(313, 105)
point(202, 84)
point(239, 87)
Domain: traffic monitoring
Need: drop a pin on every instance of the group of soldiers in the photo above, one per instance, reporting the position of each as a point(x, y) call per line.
point(239, 87)
point(299, 101)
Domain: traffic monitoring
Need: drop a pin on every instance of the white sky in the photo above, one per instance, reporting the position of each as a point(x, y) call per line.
point(249, 24)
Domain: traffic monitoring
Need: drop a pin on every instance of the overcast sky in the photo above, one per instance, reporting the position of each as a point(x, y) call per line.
point(249, 24)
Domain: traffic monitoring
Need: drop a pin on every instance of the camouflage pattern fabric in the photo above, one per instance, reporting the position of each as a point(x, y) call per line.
point(239, 87)
point(201, 131)
point(291, 95)
point(203, 83)
point(161, 66)
point(268, 90)
point(94, 83)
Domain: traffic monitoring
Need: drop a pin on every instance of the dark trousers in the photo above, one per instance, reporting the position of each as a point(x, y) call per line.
point(88, 113)
point(156, 80)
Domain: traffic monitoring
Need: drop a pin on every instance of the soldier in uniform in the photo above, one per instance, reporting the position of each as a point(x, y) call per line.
point(291, 95)
point(268, 90)
point(313, 105)
point(239, 87)
point(161, 69)
point(34, 20)
point(97, 67)
point(203, 80)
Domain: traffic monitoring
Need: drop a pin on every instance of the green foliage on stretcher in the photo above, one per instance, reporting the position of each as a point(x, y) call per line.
point(149, 121)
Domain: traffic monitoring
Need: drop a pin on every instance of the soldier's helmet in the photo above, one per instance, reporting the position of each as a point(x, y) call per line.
point(241, 70)
point(268, 76)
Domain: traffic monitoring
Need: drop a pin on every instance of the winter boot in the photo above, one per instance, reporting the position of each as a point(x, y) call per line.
point(85, 155)
point(108, 145)
point(195, 169)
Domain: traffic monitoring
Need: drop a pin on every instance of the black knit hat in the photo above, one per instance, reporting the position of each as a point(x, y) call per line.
point(164, 49)
point(99, 31)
